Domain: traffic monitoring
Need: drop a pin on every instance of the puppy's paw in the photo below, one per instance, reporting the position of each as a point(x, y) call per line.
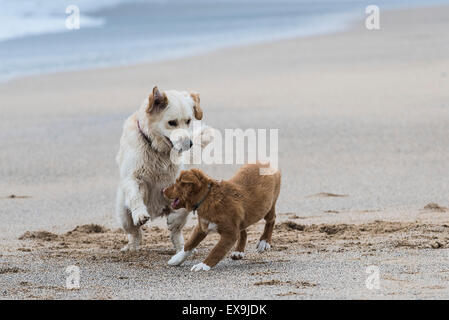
point(200, 267)
point(262, 246)
point(179, 258)
point(140, 217)
point(237, 255)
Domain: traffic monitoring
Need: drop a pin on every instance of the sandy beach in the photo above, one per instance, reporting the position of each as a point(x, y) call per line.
point(363, 119)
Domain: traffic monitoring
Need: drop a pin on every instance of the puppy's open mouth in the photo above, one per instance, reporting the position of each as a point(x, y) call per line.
point(175, 203)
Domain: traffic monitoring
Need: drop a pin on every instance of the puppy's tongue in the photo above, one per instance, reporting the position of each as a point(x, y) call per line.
point(175, 203)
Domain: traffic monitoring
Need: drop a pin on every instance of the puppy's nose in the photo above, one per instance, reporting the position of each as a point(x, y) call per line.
point(191, 143)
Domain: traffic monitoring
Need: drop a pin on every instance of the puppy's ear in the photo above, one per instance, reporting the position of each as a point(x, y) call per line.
point(197, 111)
point(157, 101)
point(190, 177)
point(198, 173)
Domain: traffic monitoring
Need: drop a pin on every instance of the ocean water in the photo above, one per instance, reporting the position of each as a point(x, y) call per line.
point(34, 38)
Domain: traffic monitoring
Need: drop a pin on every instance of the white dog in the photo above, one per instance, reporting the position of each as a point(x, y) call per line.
point(146, 168)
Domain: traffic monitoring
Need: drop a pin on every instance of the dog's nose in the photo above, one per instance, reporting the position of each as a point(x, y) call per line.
point(191, 143)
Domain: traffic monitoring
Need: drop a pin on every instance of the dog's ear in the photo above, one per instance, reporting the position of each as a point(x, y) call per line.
point(157, 101)
point(190, 177)
point(197, 112)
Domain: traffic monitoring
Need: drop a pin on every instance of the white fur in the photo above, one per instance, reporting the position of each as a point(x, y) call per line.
point(145, 170)
point(200, 267)
point(263, 246)
point(212, 227)
point(179, 258)
point(237, 255)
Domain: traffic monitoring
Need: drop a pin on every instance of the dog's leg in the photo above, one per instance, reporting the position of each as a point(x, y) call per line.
point(175, 222)
point(194, 240)
point(239, 252)
point(133, 193)
point(264, 243)
point(227, 240)
point(125, 220)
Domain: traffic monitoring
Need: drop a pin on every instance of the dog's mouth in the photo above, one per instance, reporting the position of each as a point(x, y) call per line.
point(175, 203)
point(179, 147)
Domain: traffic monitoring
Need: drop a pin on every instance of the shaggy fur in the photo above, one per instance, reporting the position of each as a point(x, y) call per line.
point(227, 207)
point(145, 164)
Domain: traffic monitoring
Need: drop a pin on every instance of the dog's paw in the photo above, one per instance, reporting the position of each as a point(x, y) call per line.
point(237, 255)
point(130, 248)
point(140, 217)
point(179, 258)
point(200, 267)
point(203, 136)
point(262, 246)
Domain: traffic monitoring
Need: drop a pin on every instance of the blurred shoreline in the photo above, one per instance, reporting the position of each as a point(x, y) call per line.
point(121, 34)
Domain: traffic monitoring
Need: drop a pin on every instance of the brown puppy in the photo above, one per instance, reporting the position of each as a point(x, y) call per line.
point(227, 207)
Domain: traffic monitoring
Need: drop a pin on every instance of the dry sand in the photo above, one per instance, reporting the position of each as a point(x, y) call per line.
point(363, 120)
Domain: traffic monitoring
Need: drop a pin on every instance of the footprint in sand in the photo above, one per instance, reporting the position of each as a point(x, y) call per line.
point(13, 196)
point(435, 207)
point(327, 195)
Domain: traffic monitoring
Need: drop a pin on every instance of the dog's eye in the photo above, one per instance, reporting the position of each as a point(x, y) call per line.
point(188, 121)
point(173, 123)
